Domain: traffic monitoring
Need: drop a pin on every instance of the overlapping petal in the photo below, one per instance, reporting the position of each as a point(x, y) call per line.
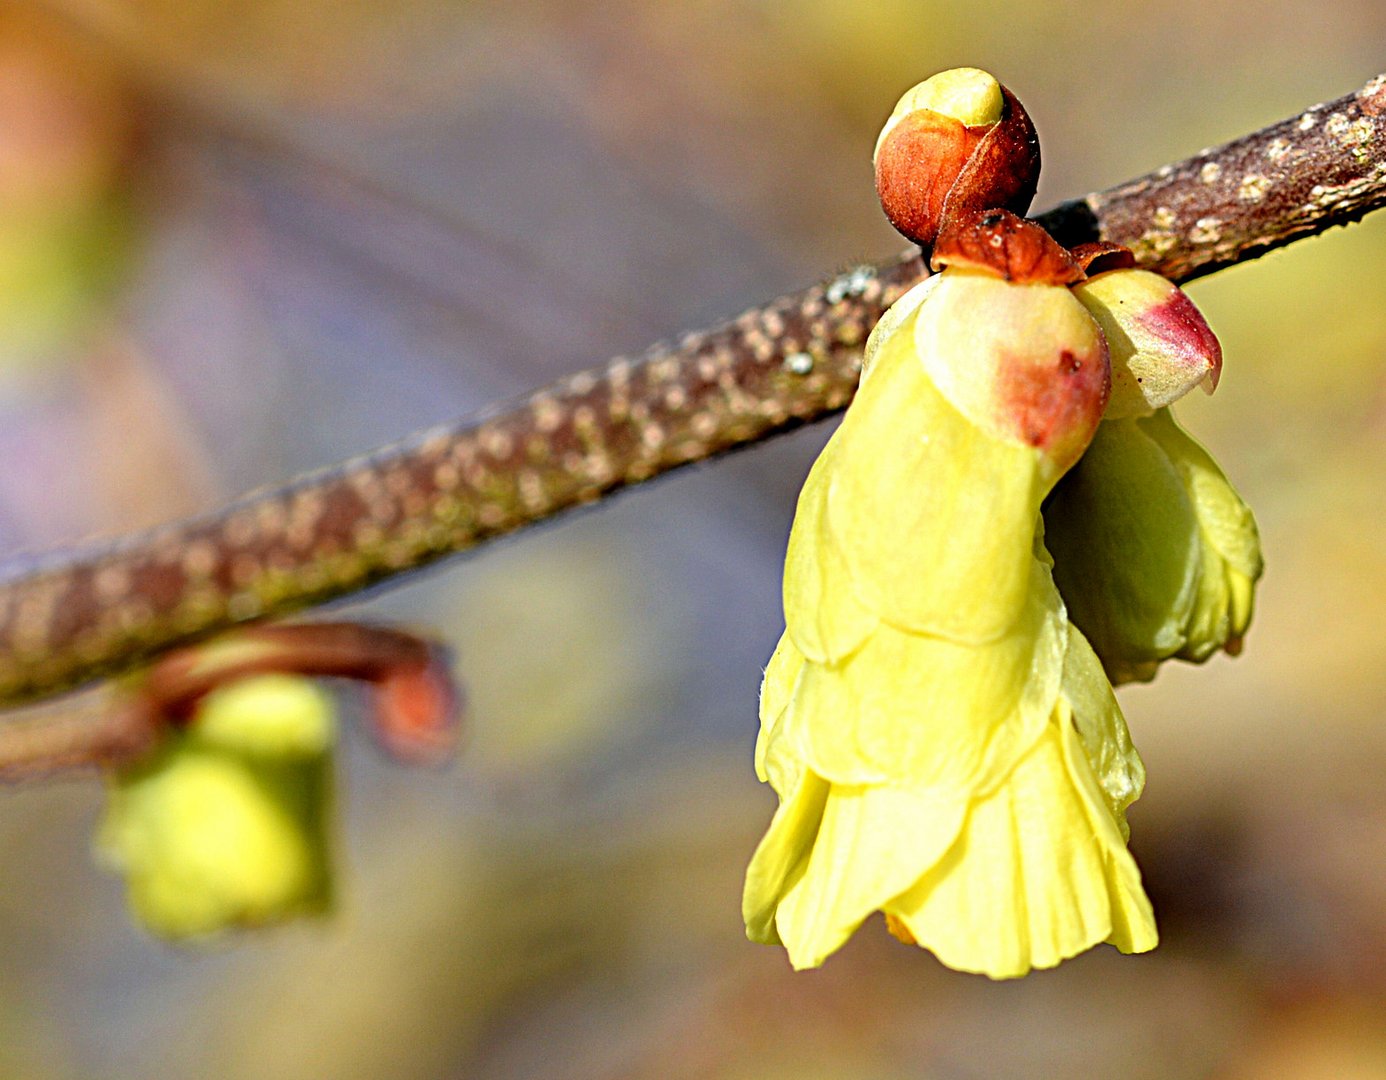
point(1040, 871)
point(920, 709)
point(1156, 554)
point(997, 881)
point(1161, 347)
point(916, 501)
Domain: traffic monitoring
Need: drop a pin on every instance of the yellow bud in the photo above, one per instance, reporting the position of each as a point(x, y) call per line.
point(271, 715)
point(968, 95)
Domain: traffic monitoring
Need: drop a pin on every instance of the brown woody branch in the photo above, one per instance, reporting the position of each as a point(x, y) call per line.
point(73, 616)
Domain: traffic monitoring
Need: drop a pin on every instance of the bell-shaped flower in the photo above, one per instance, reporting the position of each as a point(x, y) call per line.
point(944, 745)
point(1041, 870)
point(1156, 554)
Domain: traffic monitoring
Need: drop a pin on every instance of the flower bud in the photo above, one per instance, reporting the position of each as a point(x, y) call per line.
point(970, 96)
point(1154, 552)
point(270, 716)
point(1161, 347)
point(227, 823)
point(958, 141)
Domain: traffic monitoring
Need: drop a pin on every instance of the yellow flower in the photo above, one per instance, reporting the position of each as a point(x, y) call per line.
point(945, 746)
point(1155, 553)
point(227, 823)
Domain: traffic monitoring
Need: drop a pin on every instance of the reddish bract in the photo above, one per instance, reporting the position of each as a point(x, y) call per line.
point(997, 242)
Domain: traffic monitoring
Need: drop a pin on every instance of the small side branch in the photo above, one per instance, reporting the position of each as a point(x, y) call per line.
point(1324, 167)
point(93, 611)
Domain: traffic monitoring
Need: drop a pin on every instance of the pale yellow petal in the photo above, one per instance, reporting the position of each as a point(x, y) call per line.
point(1035, 877)
point(872, 843)
point(1160, 345)
point(1227, 521)
point(780, 857)
point(775, 759)
point(1132, 919)
point(1088, 700)
point(783, 768)
point(778, 681)
point(1126, 545)
point(935, 518)
point(1026, 364)
point(776, 687)
point(1231, 561)
point(823, 614)
point(911, 708)
point(1210, 622)
point(1242, 590)
point(895, 316)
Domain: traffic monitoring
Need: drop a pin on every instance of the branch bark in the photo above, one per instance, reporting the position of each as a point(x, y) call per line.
point(69, 617)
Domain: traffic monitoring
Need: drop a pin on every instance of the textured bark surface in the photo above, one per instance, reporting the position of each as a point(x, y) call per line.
point(1324, 167)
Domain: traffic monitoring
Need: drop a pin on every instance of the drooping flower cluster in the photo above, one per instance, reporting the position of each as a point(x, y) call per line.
point(942, 736)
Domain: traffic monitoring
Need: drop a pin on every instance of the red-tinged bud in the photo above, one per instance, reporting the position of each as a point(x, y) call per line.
point(1161, 347)
point(916, 168)
point(957, 142)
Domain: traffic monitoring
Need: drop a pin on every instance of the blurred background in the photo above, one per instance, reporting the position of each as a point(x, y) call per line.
point(241, 240)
